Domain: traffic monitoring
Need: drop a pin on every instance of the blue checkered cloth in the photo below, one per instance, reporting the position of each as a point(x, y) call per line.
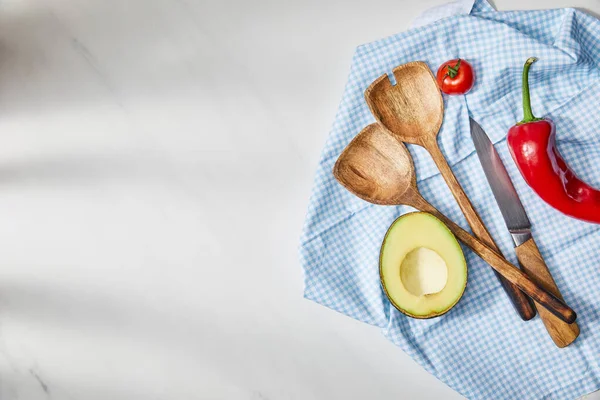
point(481, 348)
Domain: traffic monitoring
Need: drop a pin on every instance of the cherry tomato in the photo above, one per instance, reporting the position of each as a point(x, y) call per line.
point(455, 77)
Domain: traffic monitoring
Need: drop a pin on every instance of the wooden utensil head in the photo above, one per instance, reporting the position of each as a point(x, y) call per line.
point(378, 168)
point(413, 108)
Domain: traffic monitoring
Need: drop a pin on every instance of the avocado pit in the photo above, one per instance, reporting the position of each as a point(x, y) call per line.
point(423, 272)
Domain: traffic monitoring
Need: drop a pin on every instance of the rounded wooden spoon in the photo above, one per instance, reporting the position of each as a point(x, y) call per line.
point(378, 168)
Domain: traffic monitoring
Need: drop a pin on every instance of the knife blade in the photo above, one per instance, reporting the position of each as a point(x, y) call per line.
point(504, 191)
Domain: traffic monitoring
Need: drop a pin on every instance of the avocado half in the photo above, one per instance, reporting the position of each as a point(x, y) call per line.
point(422, 267)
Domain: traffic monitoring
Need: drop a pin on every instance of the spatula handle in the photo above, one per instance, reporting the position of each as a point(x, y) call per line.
point(521, 302)
point(504, 268)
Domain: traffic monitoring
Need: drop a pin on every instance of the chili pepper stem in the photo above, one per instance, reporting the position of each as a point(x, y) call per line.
point(527, 112)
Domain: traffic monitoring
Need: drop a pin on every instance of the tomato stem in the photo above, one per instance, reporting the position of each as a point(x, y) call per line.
point(453, 71)
point(527, 112)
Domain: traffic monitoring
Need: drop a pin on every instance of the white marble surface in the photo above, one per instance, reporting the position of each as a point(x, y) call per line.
point(156, 160)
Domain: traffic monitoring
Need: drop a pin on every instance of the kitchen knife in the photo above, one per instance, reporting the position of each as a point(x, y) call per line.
point(519, 226)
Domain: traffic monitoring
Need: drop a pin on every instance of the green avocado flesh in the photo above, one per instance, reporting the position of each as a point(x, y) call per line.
point(422, 266)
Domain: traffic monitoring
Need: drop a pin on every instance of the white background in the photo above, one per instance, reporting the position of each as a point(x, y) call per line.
point(156, 160)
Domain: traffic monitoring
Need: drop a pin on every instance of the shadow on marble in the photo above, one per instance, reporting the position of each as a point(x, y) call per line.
point(84, 169)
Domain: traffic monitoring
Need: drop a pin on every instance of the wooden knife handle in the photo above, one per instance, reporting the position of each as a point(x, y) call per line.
point(533, 264)
point(520, 301)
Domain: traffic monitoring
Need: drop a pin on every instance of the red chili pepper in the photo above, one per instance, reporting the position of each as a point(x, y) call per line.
point(532, 143)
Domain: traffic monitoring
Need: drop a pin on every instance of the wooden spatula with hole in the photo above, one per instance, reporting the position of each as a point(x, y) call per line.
point(413, 110)
point(378, 168)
